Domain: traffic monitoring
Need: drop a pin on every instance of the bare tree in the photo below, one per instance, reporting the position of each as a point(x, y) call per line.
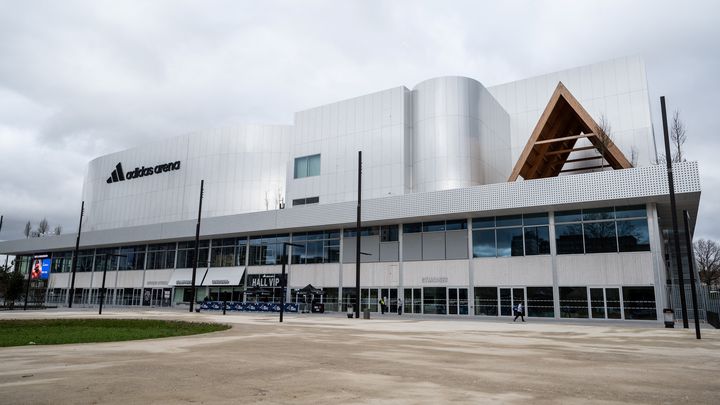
point(57, 230)
point(43, 227)
point(633, 156)
point(603, 146)
point(707, 257)
point(28, 228)
point(678, 137)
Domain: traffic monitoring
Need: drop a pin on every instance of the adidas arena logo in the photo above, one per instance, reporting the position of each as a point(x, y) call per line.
point(119, 175)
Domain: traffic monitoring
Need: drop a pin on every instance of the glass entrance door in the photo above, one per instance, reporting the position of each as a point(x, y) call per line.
point(605, 303)
point(413, 301)
point(457, 301)
point(509, 298)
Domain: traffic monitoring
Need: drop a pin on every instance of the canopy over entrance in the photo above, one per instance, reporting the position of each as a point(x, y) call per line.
point(561, 125)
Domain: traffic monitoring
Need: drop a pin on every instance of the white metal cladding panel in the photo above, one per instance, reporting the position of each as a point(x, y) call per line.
point(240, 165)
point(127, 278)
point(375, 124)
point(157, 277)
point(642, 184)
point(526, 270)
point(319, 275)
point(460, 135)
point(616, 89)
point(437, 272)
point(380, 274)
point(605, 269)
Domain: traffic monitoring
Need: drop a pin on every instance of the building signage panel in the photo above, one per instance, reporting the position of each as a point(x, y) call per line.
point(264, 280)
point(119, 175)
point(40, 269)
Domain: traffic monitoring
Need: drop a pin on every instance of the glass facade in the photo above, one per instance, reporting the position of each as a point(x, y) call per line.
point(161, 256)
point(228, 252)
point(316, 247)
point(132, 258)
point(186, 254)
point(511, 235)
point(267, 249)
point(602, 230)
point(573, 302)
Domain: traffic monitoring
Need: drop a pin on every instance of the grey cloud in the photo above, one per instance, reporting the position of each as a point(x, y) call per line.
point(80, 79)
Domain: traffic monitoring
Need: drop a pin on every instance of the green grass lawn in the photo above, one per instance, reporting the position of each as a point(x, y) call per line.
point(61, 331)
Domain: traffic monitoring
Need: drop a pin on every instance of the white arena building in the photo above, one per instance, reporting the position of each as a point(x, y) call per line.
point(475, 199)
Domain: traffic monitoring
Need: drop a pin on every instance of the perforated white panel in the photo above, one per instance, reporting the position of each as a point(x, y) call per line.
point(638, 185)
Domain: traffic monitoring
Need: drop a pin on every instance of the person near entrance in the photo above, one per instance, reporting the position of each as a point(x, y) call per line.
point(399, 305)
point(519, 312)
point(382, 305)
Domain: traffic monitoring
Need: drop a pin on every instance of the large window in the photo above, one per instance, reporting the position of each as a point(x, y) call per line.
point(186, 254)
point(389, 233)
point(228, 252)
point(434, 300)
point(132, 257)
point(639, 303)
point(62, 262)
point(161, 256)
point(573, 302)
point(540, 302)
point(602, 230)
point(267, 249)
point(106, 259)
point(486, 301)
point(316, 247)
point(307, 166)
point(511, 235)
point(85, 260)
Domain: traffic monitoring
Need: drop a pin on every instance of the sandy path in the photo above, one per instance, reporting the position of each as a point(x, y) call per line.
point(314, 359)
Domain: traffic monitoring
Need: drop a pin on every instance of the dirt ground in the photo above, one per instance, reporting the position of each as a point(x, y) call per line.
point(313, 359)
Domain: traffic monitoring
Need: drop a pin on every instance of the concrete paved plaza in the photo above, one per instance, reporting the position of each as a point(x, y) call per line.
point(329, 359)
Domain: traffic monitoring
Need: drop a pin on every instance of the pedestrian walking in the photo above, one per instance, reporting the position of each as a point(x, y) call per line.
point(400, 306)
point(519, 312)
point(382, 305)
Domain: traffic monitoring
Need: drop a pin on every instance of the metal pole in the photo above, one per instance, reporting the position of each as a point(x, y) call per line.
point(282, 282)
point(27, 286)
point(357, 239)
point(691, 268)
point(197, 247)
point(102, 288)
point(283, 277)
point(71, 293)
point(673, 208)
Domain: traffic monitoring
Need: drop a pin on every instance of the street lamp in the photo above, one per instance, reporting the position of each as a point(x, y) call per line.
point(102, 290)
point(283, 278)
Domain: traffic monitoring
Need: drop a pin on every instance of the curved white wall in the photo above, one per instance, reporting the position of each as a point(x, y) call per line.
point(459, 135)
point(239, 165)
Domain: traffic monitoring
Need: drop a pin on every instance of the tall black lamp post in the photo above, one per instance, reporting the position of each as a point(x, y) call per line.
point(102, 289)
point(283, 277)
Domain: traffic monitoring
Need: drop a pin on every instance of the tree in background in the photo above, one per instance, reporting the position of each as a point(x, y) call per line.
point(43, 227)
point(57, 230)
point(707, 257)
point(28, 228)
point(678, 137)
point(603, 146)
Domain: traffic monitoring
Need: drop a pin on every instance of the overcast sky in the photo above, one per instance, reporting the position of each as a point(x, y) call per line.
point(79, 79)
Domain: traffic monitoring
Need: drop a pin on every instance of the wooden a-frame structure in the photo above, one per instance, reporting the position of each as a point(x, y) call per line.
point(563, 122)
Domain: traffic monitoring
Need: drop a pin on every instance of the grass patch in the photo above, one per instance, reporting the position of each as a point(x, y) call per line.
point(62, 331)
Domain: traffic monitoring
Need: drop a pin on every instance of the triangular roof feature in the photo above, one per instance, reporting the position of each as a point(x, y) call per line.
point(563, 122)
